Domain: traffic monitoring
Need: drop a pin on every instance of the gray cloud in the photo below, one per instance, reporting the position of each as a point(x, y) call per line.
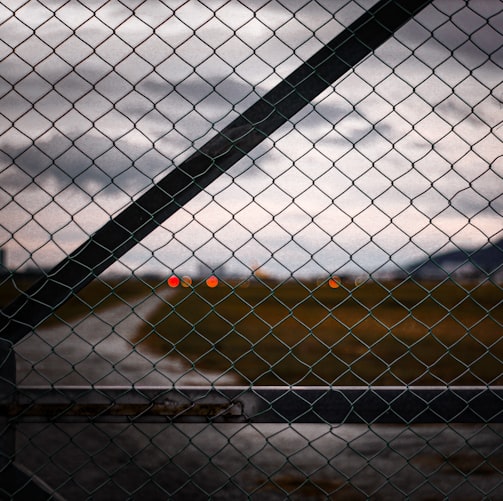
point(104, 113)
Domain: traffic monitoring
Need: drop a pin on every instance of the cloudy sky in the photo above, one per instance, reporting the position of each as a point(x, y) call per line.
point(400, 158)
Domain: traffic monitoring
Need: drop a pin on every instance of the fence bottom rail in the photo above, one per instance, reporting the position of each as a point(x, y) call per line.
point(399, 405)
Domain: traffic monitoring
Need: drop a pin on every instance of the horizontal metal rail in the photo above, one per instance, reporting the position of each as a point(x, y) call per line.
point(370, 405)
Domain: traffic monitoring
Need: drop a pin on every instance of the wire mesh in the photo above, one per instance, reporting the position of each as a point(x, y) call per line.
point(199, 196)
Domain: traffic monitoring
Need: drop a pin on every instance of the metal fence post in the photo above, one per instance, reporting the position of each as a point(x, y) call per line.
point(15, 483)
point(7, 429)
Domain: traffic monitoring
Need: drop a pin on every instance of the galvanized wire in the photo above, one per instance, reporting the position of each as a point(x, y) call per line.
point(215, 194)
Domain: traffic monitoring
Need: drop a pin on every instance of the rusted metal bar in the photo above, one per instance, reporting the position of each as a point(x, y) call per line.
point(401, 405)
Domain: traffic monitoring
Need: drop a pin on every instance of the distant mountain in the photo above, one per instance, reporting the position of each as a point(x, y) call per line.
point(487, 261)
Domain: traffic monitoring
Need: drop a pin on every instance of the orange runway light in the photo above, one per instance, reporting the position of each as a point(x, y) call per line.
point(334, 282)
point(186, 281)
point(212, 281)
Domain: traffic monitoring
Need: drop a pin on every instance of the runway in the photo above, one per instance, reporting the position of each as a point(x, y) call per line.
point(97, 350)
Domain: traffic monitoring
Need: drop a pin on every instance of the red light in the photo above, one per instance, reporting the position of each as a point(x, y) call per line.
point(212, 281)
point(173, 281)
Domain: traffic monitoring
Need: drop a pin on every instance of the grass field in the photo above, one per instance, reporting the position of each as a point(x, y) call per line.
point(300, 333)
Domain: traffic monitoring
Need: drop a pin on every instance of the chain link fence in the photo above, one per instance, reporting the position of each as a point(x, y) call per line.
point(251, 250)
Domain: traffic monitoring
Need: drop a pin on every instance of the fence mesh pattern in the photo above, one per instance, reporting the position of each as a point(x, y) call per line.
point(225, 194)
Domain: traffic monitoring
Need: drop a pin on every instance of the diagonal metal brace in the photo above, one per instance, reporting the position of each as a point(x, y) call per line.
point(220, 153)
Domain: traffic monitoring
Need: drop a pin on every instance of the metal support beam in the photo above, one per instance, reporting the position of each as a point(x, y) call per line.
point(399, 405)
point(7, 392)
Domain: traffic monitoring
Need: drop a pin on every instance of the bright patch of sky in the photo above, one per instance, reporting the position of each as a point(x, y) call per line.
point(400, 158)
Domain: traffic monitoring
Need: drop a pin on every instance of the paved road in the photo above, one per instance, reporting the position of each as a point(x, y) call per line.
point(96, 349)
point(198, 462)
